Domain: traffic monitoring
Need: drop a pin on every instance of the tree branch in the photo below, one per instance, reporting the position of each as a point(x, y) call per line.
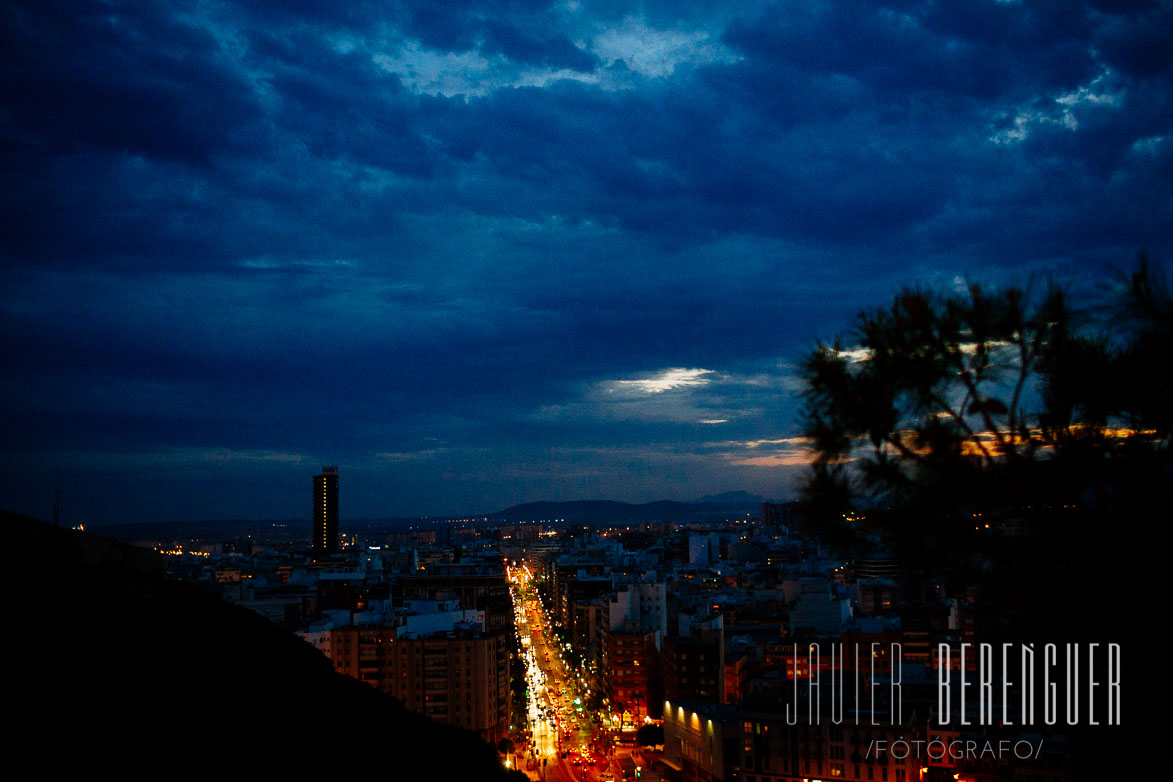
point(968, 380)
point(960, 421)
point(1024, 359)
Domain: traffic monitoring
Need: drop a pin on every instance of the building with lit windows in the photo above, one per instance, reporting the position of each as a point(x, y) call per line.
point(632, 679)
point(459, 677)
point(325, 515)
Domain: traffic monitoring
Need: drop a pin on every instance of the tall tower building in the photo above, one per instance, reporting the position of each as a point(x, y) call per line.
point(326, 511)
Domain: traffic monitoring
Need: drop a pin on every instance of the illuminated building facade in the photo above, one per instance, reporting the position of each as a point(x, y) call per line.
point(630, 682)
point(459, 678)
point(325, 540)
point(362, 652)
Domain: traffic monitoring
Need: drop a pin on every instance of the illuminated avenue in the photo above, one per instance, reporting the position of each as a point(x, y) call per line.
point(579, 743)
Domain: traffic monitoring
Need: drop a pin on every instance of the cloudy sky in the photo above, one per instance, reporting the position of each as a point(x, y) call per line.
point(481, 253)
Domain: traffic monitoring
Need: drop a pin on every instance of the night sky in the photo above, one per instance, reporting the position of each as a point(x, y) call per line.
point(482, 253)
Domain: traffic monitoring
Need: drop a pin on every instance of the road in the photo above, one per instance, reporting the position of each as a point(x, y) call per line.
point(558, 720)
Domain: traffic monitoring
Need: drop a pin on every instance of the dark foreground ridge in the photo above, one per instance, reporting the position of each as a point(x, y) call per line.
point(119, 669)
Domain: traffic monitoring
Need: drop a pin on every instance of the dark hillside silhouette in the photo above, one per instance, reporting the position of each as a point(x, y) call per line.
point(119, 669)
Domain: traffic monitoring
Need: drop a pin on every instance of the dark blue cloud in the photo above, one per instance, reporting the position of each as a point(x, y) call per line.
point(524, 32)
point(132, 79)
point(523, 47)
point(423, 240)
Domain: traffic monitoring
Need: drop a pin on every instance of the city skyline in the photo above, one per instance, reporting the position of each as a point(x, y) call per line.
point(483, 255)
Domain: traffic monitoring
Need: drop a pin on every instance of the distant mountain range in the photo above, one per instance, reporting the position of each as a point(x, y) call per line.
point(603, 511)
point(734, 498)
point(710, 506)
